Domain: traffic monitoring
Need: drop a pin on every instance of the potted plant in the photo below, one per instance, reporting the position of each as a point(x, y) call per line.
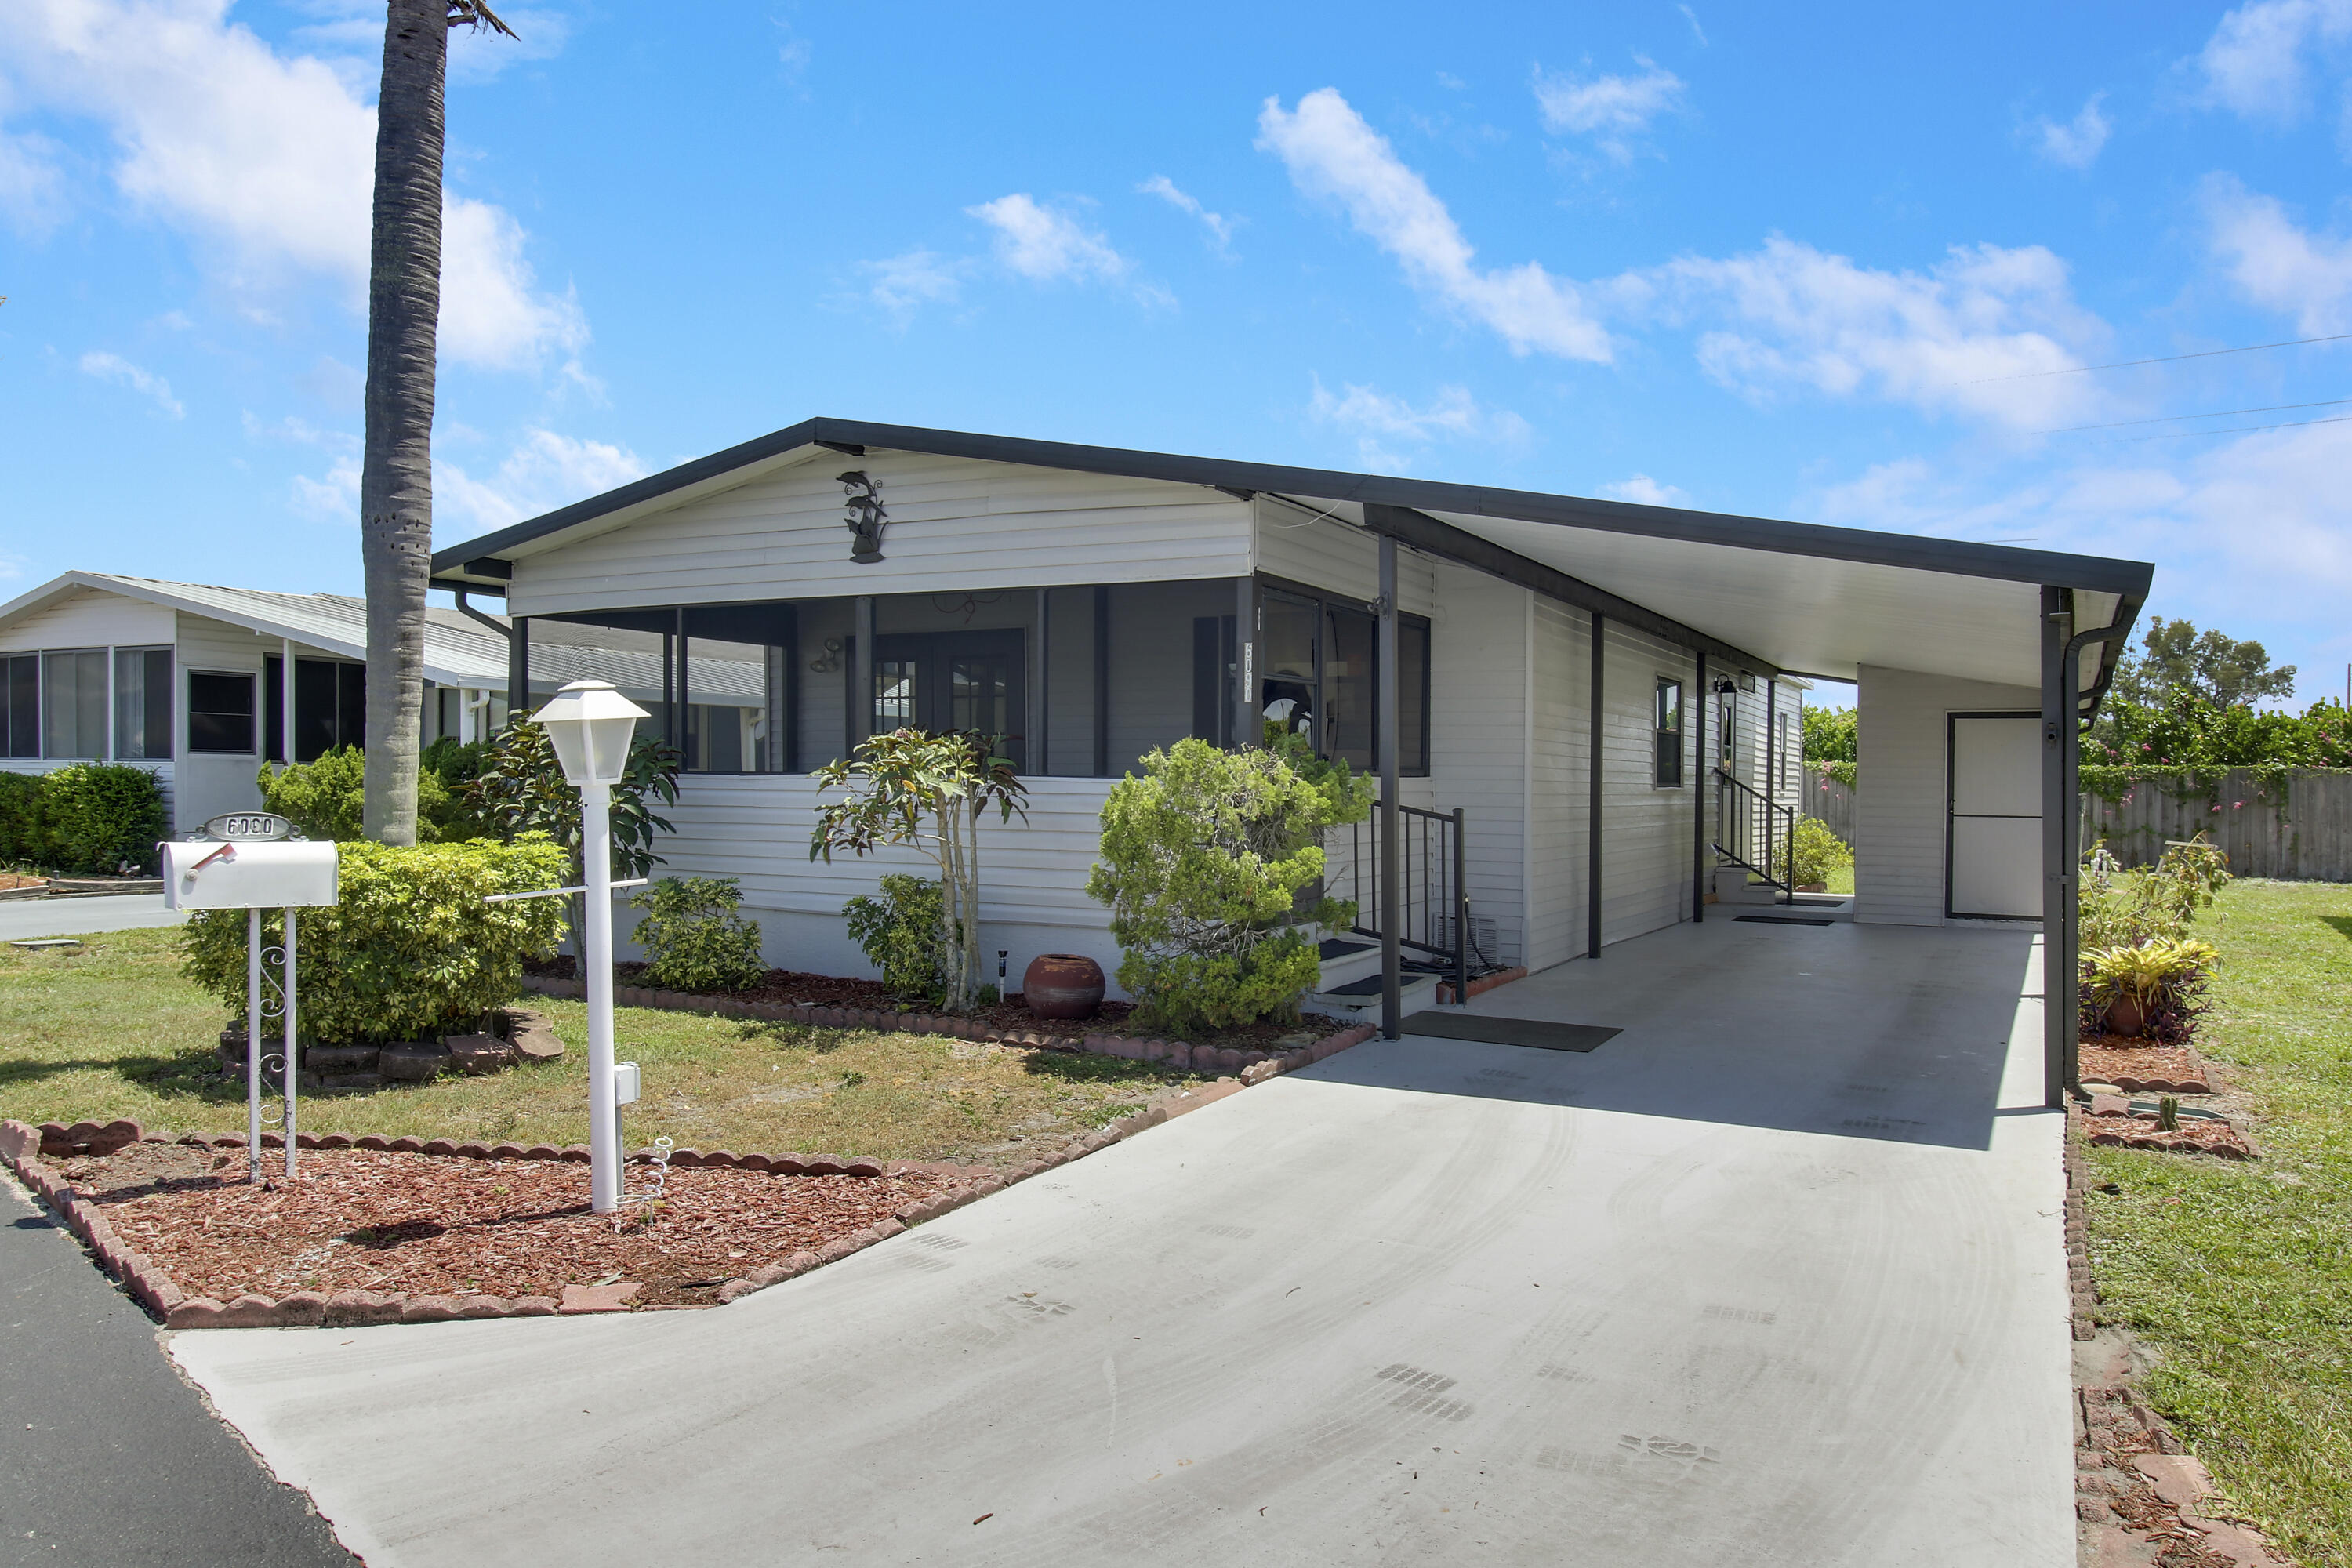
point(2134, 984)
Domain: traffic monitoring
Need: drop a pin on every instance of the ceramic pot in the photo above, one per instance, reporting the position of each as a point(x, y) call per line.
point(1062, 985)
point(2125, 1017)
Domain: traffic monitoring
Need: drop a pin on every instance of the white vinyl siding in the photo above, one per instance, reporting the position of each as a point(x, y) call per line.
point(1343, 560)
point(1559, 782)
point(1900, 802)
point(954, 524)
point(1478, 742)
point(87, 618)
point(1645, 831)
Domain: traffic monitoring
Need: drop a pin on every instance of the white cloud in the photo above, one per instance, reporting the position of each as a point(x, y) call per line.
point(904, 283)
point(1642, 488)
point(1372, 416)
point(12, 567)
point(2254, 62)
point(2192, 508)
point(1611, 108)
point(546, 470)
point(2077, 143)
point(1220, 227)
point(1045, 245)
point(1331, 153)
point(334, 497)
point(267, 160)
point(1967, 336)
point(2276, 264)
point(491, 313)
point(1696, 31)
point(31, 186)
point(113, 367)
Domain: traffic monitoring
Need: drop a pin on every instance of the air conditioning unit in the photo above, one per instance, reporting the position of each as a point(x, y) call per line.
point(1484, 941)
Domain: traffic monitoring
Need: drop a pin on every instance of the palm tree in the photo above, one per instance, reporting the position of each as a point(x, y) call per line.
point(396, 466)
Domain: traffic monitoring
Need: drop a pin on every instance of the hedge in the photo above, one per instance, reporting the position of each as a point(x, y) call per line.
point(410, 951)
point(83, 819)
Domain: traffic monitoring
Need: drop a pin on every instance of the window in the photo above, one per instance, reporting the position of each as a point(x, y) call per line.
point(953, 680)
point(330, 706)
point(142, 702)
point(73, 703)
point(1320, 658)
point(1669, 728)
point(20, 705)
point(221, 712)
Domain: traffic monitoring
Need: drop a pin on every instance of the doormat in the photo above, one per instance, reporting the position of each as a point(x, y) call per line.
point(1784, 920)
point(1508, 1031)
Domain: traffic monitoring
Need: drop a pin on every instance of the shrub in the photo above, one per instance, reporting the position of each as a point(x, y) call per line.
point(20, 819)
point(1203, 862)
point(900, 931)
point(454, 762)
point(2121, 910)
point(96, 818)
point(1815, 852)
point(692, 937)
point(324, 799)
point(520, 791)
point(2166, 977)
point(410, 951)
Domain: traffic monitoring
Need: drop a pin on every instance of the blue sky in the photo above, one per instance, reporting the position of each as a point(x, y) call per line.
point(1816, 264)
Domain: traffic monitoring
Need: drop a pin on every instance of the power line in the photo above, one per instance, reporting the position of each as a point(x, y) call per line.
point(2231, 430)
point(2164, 359)
point(2217, 414)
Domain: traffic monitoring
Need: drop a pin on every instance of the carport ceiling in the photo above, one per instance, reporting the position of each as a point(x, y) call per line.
point(1814, 600)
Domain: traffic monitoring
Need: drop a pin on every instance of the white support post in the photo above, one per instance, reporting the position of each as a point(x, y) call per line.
point(252, 1043)
point(293, 1052)
point(596, 967)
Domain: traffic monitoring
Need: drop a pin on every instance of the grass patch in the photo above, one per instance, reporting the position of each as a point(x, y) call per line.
point(112, 1030)
point(2241, 1275)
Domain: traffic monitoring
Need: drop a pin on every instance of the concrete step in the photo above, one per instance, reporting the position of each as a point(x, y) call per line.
point(1346, 958)
point(1360, 1000)
point(1732, 887)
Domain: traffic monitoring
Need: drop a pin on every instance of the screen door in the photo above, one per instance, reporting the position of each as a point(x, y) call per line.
point(1993, 863)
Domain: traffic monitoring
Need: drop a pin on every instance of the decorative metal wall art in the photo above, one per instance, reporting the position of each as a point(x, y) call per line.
point(865, 519)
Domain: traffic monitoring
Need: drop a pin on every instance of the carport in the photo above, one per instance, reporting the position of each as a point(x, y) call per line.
point(1977, 668)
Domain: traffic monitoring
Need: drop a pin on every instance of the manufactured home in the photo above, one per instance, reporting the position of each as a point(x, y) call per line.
point(1585, 712)
point(205, 685)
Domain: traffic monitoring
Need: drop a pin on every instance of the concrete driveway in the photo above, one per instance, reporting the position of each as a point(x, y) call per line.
point(1774, 1277)
point(23, 918)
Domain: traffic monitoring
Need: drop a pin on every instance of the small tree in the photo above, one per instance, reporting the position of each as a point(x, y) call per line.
point(521, 790)
point(1204, 859)
point(929, 791)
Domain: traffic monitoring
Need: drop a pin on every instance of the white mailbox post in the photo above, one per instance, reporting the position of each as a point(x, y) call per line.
point(247, 861)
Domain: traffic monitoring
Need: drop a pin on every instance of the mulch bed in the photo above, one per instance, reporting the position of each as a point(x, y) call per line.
point(2140, 1067)
point(793, 987)
point(426, 1225)
point(2196, 1134)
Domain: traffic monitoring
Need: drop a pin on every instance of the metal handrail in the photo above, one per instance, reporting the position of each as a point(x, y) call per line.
point(1755, 831)
point(1433, 898)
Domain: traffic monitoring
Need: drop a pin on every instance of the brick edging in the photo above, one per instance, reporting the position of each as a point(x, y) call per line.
point(1192, 1058)
point(1483, 984)
point(22, 1144)
point(2135, 1480)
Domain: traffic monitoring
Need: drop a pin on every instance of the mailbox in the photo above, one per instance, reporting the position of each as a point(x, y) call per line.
point(208, 874)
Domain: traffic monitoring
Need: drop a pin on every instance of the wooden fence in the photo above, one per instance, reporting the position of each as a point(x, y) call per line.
point(2303, 834)
point(2304, 837)
point(1830, 802)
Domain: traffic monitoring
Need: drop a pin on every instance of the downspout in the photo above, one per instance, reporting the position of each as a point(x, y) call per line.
point(1699, 776)
point(505, 634)
point(2070, 826)
point(1392, 834)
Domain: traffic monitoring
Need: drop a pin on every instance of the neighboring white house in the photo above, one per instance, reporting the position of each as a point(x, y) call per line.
point(1607, 692)
point(204, 684)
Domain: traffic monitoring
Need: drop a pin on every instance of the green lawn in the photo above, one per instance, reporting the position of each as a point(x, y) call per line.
point(112, 1030)
point(2240, 1274)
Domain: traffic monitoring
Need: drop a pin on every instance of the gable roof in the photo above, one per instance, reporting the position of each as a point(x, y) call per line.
point(1805, 599)
point(458, 650)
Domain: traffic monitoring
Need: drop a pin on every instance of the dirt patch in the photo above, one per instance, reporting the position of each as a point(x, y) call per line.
point(2140, 1065)
point(426, 1225)
point(795, 988)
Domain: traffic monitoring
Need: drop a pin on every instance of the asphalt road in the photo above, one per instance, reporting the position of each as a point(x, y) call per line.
point(23, 918)
point(108, 1460)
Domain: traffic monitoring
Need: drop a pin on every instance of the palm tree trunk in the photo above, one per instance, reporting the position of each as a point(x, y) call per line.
point(396, 467)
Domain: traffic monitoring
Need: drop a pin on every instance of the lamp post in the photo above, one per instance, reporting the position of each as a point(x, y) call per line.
point(590, 726)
